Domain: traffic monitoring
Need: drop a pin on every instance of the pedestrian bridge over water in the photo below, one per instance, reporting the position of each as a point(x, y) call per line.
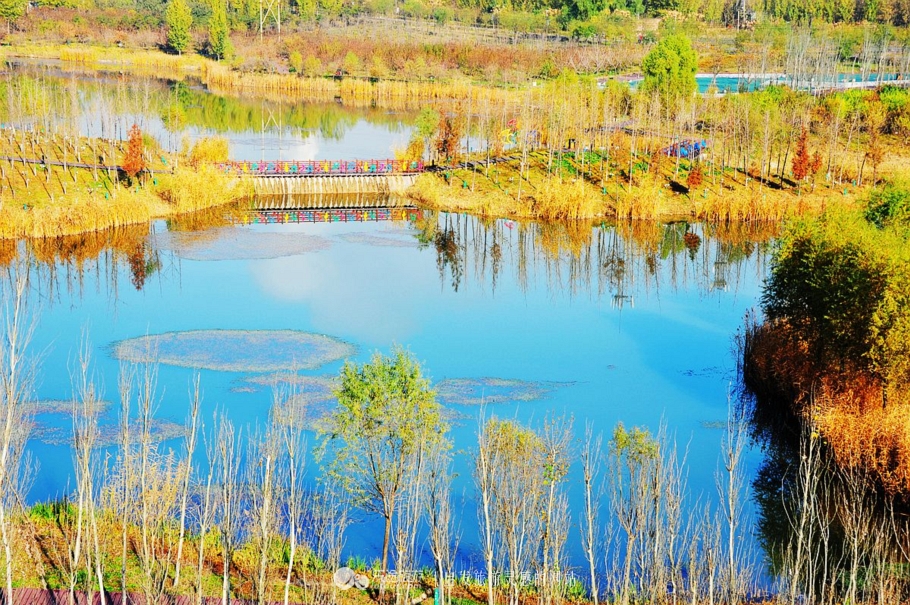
point(326, 177)
point(328, 201)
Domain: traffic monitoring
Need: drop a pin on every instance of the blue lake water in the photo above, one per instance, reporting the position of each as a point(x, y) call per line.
point(179, 113)
point(638, 324)
point(601, 323)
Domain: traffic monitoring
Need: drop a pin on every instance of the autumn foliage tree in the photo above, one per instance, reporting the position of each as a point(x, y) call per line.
point(801, 159)
point(695, 177)
point(448, 137)
point(134, 160)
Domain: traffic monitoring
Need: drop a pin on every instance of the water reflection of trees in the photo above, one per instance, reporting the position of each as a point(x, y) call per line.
point(617, 259)
point(34, 96)
point(61, 265)
point(829, 531)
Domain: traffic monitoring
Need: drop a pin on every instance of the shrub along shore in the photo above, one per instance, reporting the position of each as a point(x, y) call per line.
point(53, 185)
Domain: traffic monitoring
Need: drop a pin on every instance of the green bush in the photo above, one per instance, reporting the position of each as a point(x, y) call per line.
point(889, 206)
point(312, 67)
point(442, 15)
point(843, 285)
point(295, 62)
point(380, 7)
point(414, 8)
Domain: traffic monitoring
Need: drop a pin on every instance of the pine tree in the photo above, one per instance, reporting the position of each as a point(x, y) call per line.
point(134, 160)
point(219, 38)
point(179, 19)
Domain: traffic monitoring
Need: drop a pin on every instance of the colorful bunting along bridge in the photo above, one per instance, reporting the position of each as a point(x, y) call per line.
point(263, 217)
point(321, 167)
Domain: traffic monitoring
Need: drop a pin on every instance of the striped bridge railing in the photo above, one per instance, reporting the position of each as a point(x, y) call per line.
point(321, 167)
point(264, 217)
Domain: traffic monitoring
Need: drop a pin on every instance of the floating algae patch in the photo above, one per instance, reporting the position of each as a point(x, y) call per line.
point(387, 239)
point(62, 406)
point(109, 434)
point(477, 391)
point(233, 243)
point(306, 412)
point(314, 387)
point(714, 424)
point(312, 410)
point(236, 350)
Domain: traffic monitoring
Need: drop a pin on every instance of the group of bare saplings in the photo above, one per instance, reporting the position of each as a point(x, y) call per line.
point(228, 512)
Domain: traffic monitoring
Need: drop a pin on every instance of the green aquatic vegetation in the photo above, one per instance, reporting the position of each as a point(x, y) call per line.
point(236, 350)
point(109, 434)
point(316, 388)
point(231, 243)
point(61, 406)
point(386, 240)
point(487, 390)
point(305, 410)
point(714, 424)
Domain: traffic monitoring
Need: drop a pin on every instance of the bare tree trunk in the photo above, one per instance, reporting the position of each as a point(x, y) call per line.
point(16, 383)
point(192, 431)
point(591, 463)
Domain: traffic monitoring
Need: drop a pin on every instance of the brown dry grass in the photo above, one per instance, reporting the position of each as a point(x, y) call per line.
point(44, 211)
point(589, 196)
point(847, 406)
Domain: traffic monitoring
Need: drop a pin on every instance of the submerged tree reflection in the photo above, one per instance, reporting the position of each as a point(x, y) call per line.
point(616, 259)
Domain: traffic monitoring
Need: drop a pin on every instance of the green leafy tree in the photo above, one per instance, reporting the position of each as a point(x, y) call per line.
point(584, 9)
point(426, 124)
point(219, 31)
point(670, 67)
point(841, 287)
point(179, 18)
point(387, 418)
point(331, 7)
point(11, 10)
point(295, 61)
point(351, 63)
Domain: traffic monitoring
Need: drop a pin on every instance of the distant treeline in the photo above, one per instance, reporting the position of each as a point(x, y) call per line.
point(580, 17)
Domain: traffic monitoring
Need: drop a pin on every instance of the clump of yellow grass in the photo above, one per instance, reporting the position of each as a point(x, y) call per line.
point(188, 189)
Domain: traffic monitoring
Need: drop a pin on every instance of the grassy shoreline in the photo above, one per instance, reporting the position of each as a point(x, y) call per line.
point(631, 180)
point(222, 79)
point(657, 195)
point(53, 201)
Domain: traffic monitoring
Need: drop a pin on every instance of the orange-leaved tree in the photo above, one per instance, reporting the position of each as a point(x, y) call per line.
point(695, 177)
point(801, 160)
point(134, 159)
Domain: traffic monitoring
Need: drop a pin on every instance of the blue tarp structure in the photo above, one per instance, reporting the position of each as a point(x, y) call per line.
point(686, 149)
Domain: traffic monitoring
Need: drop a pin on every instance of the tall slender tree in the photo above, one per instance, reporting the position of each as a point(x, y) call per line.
point(179, 19)
point(386, 412)
point(219, 31)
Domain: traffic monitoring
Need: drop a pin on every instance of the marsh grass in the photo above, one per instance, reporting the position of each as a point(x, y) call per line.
point(42, 200)
point(573, 192)
point(221, 78)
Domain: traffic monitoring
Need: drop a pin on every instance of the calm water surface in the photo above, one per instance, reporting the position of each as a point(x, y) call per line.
point(602, 323)
point(45, 96)
point(637, 325)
